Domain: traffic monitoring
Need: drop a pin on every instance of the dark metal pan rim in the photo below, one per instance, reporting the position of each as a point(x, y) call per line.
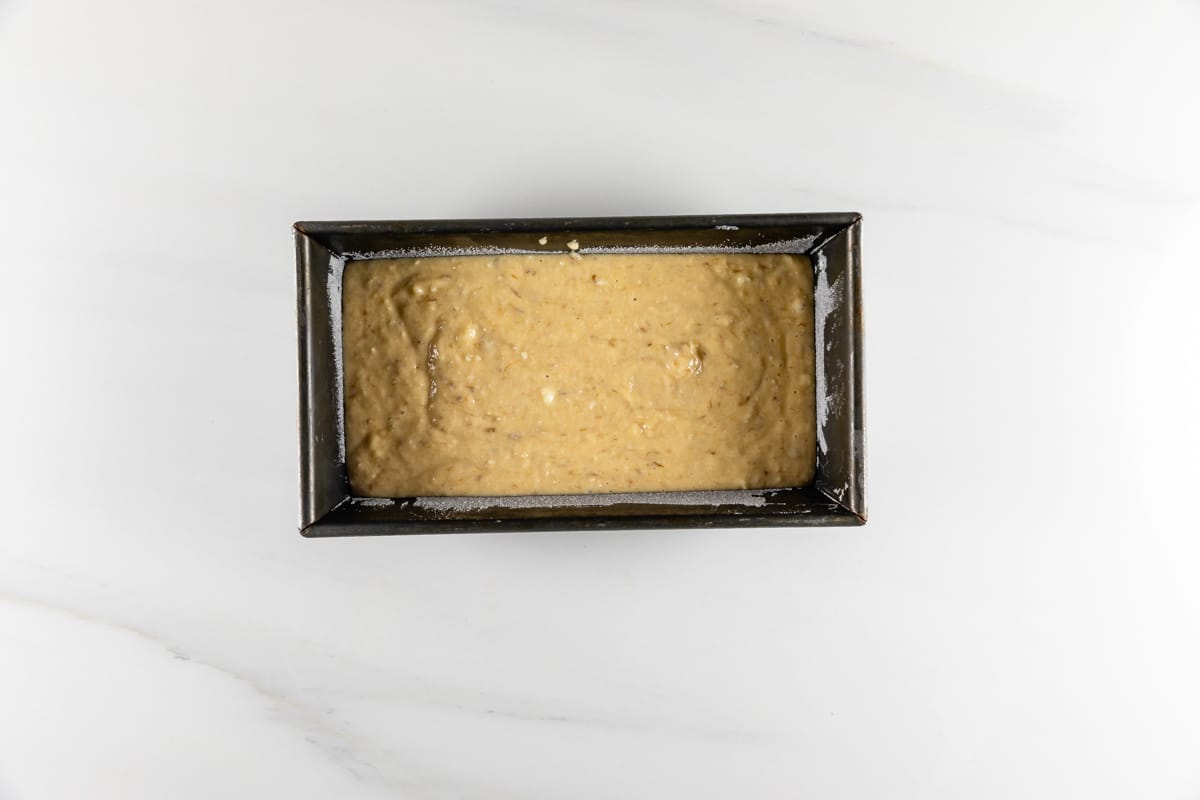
point(836, 497)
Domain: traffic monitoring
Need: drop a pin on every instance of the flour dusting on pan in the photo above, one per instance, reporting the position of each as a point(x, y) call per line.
point(826, 300)
point(729, 497)
point(799, 246)
point(333, 287)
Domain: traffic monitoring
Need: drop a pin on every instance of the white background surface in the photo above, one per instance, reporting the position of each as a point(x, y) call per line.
point(1021, 617)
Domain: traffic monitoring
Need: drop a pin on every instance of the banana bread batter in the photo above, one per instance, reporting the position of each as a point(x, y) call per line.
point(566, 373)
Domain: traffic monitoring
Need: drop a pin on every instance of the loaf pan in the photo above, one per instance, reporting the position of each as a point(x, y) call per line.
point(836, 496)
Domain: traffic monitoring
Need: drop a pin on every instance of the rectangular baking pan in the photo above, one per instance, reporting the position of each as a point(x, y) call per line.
point(835, 497)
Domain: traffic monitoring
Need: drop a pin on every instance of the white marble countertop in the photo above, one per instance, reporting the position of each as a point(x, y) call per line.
point(1021, 617)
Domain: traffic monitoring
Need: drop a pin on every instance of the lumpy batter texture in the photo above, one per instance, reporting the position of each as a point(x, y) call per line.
point(557, 373)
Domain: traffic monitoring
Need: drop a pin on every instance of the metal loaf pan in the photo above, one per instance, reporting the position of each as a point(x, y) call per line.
point(835, 497)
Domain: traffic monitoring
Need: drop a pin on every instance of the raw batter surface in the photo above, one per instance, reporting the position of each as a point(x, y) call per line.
point(557, 373)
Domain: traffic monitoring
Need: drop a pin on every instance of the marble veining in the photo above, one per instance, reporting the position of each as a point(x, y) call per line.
point(1018, 618)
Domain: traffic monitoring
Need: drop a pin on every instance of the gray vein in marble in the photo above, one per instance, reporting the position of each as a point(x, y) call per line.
point(415, 690)
point(966, 114)
point(866, 203)
point(348, 752)
point(331, 743)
